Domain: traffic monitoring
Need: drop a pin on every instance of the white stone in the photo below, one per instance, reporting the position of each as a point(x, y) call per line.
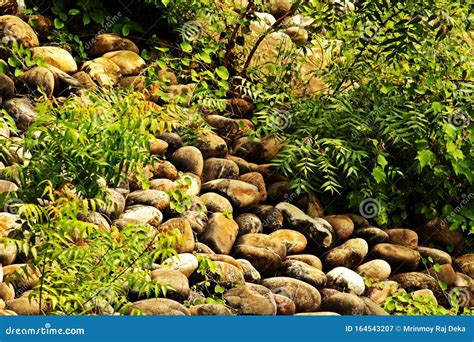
point(348, 279)
point(186, 263)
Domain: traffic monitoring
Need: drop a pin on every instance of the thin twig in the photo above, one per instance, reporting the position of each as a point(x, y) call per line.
point(260, 39)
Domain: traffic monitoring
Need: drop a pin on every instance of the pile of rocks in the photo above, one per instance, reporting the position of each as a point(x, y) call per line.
point(277, 253)
point(273, 256)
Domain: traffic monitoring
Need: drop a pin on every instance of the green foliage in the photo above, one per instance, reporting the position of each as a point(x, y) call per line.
point(92, 16)
point(76, 143)
point(85, 269)
point(180, 200)
point(395, 123)
point(403, 303)
point(18, 58)
point(209, 288)
point(71, 42)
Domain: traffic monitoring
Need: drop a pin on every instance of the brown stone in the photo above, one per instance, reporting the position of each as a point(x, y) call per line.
point(229, 275)
point(155, 198)
point(249, 223)
point(251, 299)
point(164, 169)
point(349, 254)
point(435, 255)
point(295, 241)
point(183, 226)
point(465, 263)
point(158, 147)
point(256, 178)
point(107, 42)
point(372, 235)
point(209, 310)
point(309, 259)
point(239, 107)
point(24, 306)
point(212, 145)
point(12, 28)
point(271, 218)
point(412, 281)
point(342, 225)
point(305, 296)
point(403, 237)
point(188, 159)
point(445, 273)
point(241, 194)
point(160, 307)
point(174, 278)
point(399, 257)
point(437, 230)
point(304, 272)
point(285, 306)
point(218, 168)
point(380, 291)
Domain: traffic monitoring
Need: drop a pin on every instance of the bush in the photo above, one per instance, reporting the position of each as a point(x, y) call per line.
point(394, 125)
point(77, 143)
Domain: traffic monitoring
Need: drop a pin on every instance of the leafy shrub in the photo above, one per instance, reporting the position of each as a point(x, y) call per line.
point(209, 287)
point(18, 58)
point(403, 303)
point(79, 143)
point(394, 122)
